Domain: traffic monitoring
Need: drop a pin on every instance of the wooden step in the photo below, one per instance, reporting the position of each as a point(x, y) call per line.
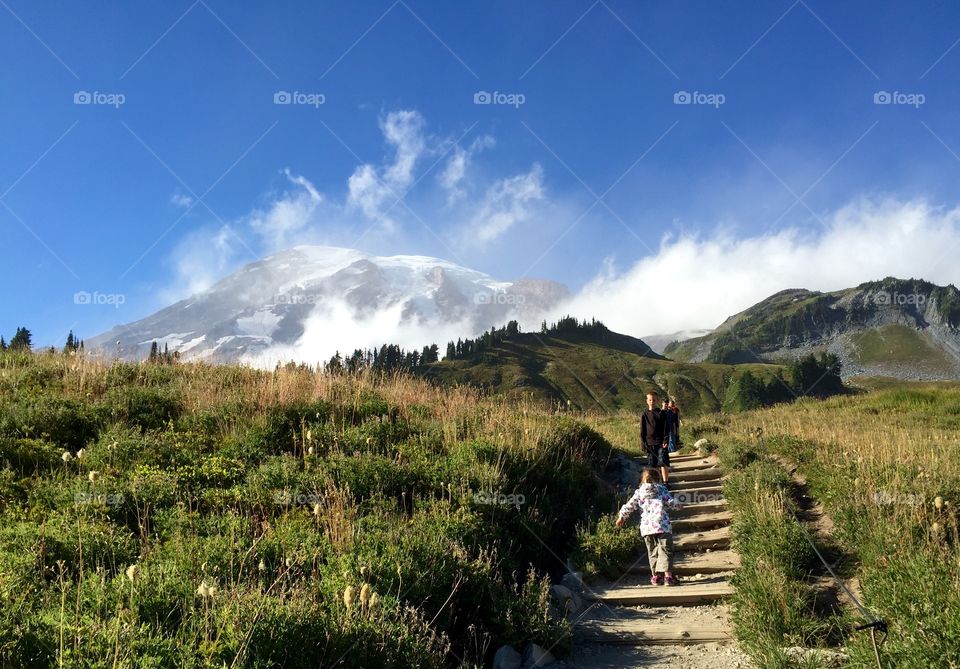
point(692, 484)
point(695, 496)
point(691, 465)
point(650, 632)
point(712, 539)
point(707, 473)
point(660, 595)
point(687, 458)
point(689, 563)
point(702, 521)
point(687, 510)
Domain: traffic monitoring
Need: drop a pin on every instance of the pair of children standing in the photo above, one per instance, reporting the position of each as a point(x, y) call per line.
point(653, 499)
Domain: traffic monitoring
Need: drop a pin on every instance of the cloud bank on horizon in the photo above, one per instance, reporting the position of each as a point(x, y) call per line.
point(697, 282)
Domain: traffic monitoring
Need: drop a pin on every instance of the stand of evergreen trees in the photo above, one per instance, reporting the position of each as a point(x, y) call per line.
point(810, 375)
point(465, 349)
point(164, 357)
point(23, 341)
point(386, 359)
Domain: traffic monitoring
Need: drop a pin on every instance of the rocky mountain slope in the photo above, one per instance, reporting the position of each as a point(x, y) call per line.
point(894, 327)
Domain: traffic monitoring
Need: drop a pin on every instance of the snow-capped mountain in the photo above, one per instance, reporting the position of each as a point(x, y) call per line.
point(279, 307)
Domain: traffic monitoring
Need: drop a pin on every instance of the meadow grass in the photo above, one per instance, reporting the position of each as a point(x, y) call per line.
point(886, 466)
point(191, 515)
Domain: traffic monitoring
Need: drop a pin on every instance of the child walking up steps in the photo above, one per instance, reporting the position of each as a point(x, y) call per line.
point(653, 499)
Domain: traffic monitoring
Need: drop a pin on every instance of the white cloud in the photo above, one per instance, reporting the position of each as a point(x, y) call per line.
point(285, 217)
point(370, 187)
point(694, 282)
point(506, 203)
point(350, 331)
point(452, 176)
point(181, 200)
point(200, 259)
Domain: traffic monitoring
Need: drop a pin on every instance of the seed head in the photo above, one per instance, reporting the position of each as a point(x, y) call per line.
point(365, 591)
point(349, 596)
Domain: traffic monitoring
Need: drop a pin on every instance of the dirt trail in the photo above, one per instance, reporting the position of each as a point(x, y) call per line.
point(634, 624)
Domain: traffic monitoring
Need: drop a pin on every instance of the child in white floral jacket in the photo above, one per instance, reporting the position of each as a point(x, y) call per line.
point(653, 499)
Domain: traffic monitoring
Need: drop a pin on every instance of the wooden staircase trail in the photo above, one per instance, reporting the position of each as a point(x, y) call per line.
point(632, 623)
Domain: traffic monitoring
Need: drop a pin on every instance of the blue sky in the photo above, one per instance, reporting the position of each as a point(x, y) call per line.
point(593, 171)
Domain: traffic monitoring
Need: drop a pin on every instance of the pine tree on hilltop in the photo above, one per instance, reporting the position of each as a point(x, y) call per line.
point(154, 352)
point(3, 344)
point(72, 343)
point(22, 340)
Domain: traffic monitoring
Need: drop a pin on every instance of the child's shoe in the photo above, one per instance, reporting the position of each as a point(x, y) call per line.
point(655, 580)
point(670, 580)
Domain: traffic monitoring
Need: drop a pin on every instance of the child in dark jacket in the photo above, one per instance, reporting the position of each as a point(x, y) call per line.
point(653, 499)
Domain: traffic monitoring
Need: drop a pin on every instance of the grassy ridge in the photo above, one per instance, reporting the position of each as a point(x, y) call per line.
point(596, 375)
point(221, 515)
point(886, 467)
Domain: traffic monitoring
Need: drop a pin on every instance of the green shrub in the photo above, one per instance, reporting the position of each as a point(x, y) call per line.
point(61, 421)
point(29, 456)
point(144, 408)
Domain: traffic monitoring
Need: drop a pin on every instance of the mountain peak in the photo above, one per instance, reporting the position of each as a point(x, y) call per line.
point(273, 302)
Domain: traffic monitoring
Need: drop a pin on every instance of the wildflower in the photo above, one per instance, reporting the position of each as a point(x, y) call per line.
point(310, 450)
point(317, 509)
point(309, 435)
point(364, 572)
point(80, 454)
point(935, 528)
point(349, 595)
point(66, 457)
point(369, 440)
point(262, 566)
point(204, 590)
point(92, 475)
point(374, 601)
point(938, 502)
point(365, 591)
point(132, 572)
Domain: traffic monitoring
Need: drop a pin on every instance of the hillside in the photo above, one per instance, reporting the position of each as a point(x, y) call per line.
point(596, 371)
point(899, 328)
